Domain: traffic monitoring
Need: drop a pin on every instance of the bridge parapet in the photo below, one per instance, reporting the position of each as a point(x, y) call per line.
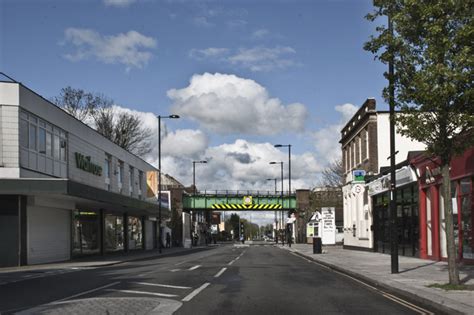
point(240, 200)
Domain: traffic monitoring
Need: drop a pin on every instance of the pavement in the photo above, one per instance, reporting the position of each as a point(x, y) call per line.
point(411, 283)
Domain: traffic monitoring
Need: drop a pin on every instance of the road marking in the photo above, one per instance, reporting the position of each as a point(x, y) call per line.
point(195, 292)
point(180, 263)
point(174, 270)
point(86, 292)
point(144, 292)
point(413, 307)
point(162, 285)
point(237, 258)
point(220, 272)
point(231, 262)
point(194, 267)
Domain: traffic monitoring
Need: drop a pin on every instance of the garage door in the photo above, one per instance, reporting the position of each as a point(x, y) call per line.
point(48, 235)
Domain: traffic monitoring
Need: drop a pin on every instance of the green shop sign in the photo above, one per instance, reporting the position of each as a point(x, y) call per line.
point(85, 164)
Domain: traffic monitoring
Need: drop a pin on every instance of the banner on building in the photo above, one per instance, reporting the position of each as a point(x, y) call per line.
point(151, 184)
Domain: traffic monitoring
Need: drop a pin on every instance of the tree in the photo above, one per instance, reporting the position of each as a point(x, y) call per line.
point(333, 174)
point(431, 51)
point(79, 103)
point(122, 128)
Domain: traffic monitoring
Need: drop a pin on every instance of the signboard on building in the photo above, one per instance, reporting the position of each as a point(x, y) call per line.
point(358, 176)
point(404, 175)
point(84, 163)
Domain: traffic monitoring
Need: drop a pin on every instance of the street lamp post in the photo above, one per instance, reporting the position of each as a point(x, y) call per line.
point(281, 167)
point(289, 165)
point(275, 183)
point(159, 180)
point(194, 179)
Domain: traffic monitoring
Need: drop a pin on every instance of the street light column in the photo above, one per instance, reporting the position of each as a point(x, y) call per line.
point(160, 177)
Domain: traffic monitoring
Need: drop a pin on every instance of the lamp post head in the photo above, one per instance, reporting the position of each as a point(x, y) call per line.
point(278, 145)
point(276, 163)
point(174, 116)
point(203, 162)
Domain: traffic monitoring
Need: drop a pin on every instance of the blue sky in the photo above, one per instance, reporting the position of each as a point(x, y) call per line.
point(243, 75)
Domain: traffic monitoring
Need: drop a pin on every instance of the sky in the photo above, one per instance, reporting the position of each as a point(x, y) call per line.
point(243, 75)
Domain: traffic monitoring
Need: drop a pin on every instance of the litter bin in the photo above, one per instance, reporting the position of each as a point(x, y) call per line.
point(317, 245)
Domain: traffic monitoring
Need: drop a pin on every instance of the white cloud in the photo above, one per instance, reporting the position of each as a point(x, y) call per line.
point(238, 23)
point(260, 33)
point(257, 59)
point(185, 142)
point(202, 21)
point(227, 104)
point(130, 49)
point(242, 165)
point(118, 3)
point(207, 53)
point(263, 58)
point(327, 139)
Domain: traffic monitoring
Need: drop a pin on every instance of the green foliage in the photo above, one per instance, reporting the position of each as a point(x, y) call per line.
point(432, 51)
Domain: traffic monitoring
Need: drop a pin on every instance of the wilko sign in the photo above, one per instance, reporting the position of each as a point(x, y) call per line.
point(84, 163)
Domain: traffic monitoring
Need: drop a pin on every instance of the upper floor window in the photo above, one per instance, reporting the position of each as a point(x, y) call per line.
point(366, 143)
point(107, 170)
point(41, 137)
point(140, 184)
point(120, 175)
point(130, 180)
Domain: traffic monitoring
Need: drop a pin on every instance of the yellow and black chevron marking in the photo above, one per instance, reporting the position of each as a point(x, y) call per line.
point(247, 207)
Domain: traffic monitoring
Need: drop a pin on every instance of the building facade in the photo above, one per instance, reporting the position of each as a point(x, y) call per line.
point(431, 206)
point(365, 149)
point(65, 190)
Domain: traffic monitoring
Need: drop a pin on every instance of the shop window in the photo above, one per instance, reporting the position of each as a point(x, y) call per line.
point(114, 233)
point(86, 233)
point(467, 220)
point(135, 233)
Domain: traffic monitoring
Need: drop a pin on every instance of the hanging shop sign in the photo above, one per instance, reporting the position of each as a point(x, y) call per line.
point(84, 163)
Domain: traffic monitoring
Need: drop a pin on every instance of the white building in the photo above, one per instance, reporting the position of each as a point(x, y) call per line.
point(365, 141)
point(65, 190)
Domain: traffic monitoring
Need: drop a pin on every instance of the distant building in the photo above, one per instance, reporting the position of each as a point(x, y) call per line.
point(365, 149)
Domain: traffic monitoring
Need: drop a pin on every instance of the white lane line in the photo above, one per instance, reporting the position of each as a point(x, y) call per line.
point(195, 292)
point(174, 270)
point(231, 262)
point(86, 292)
point(220, 272)
point(162, 285)
point(237, 258)
point(143, 292)
point(194, 267)
point(180, 263)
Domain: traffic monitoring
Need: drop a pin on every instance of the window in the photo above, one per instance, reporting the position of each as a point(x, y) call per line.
point(42, 141)
point(130, 180)
point(24, 133)
point(49, 144)
point(366, 143)
point(120, 175)
point(62, 152)
point(32, 137)
point(140, 184)
point(360, 149)
point(107, 170)
point(56, 147)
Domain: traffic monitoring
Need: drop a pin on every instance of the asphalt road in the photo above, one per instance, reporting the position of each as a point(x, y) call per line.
point(222, 280)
